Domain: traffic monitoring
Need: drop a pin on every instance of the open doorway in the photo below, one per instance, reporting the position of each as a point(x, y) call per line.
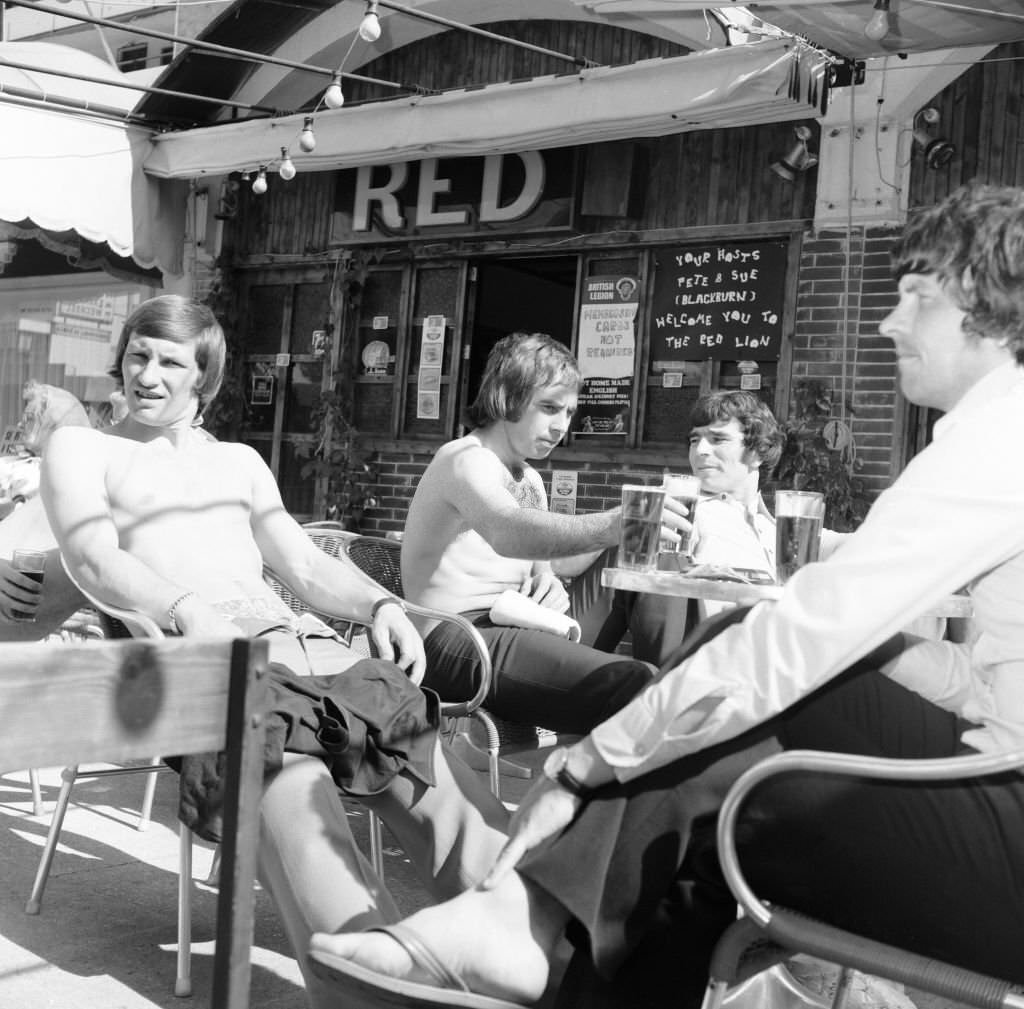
point(534, 295)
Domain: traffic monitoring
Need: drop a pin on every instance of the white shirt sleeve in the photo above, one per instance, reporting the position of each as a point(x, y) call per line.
point(952, 516)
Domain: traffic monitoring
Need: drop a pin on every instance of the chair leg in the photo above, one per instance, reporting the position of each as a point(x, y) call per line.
point(714, 994)
point(214, 877)
point(843, 988)
point(183, 981)
point(35, 900)
point(37, 794)
point(147, 798)
point(376, 844)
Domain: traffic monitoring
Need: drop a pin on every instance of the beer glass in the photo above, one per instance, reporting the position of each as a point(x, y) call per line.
point(31, 563)
point(798, 519)
point(685, 489)
point(640, 529)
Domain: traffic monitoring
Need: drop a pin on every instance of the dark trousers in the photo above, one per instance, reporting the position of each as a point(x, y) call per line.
point(935, 868)
point(539, 678)
point(656, 624)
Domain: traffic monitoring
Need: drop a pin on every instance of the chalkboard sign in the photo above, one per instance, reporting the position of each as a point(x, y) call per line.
point(721, 301)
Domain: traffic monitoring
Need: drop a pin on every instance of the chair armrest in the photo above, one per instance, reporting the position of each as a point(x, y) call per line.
point(882, 768)
point(456, 709)
point(139, 624)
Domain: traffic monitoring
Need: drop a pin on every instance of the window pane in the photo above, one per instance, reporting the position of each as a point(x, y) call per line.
point(265, 316)
point(296, 492)
point(310, 312)
point(304, 379)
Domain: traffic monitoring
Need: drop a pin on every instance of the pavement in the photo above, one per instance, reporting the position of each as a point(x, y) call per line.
point(106, 936)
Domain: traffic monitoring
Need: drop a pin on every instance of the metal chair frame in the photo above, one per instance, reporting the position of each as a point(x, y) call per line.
point(380, 558)
point(768, 933)
point(137, 625)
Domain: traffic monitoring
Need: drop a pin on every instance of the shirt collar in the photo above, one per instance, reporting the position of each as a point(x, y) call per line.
point(996, 384)
point(759, 510)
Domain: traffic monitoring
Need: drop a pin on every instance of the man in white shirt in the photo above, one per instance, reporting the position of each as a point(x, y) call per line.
point(617, 838)
point(734, 438)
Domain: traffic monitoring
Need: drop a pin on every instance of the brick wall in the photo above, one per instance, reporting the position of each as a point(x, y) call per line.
point(844, 288)
point(845, 291)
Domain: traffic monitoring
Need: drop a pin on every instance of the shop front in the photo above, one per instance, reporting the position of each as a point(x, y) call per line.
point(435, 260)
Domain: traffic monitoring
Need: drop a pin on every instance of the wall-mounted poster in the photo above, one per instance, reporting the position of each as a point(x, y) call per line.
point(607, 351)
point(722, 301)
point(564, 485)
point(262, 392)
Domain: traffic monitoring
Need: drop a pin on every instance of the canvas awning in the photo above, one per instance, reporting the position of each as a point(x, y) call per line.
point(67, 173)
point(773, 81)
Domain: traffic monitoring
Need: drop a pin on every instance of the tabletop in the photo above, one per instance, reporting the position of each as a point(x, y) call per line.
point(674, 583)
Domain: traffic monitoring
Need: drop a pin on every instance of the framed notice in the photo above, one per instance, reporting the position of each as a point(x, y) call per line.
point(722, 301)
point(606, 352)
point(564, 484)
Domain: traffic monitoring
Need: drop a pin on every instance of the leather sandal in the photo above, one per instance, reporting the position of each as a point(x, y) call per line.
point(356, 985)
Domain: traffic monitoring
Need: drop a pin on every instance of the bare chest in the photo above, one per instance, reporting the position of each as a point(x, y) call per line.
point(164, 489)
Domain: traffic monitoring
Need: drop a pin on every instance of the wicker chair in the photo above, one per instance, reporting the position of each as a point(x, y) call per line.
point(768, 934)
point(380, 558)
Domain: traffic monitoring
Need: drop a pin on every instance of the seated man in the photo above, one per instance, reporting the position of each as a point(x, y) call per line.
point(153, 515)
point(616, 843)
point(734, 438)
point(479, 531)
point(47, 408)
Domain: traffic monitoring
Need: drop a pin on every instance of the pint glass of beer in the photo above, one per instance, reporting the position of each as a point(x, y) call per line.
point(31, 563)
point(685, 489)
point(798, 519)
point(640, 530)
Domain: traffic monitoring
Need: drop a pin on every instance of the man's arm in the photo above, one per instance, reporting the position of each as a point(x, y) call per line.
point(326, 583)
point(477, 490)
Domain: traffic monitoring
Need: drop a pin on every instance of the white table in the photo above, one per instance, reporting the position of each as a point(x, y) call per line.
point(673, 583)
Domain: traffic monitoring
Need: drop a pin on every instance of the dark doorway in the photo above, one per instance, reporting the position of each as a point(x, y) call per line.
point(535, 295)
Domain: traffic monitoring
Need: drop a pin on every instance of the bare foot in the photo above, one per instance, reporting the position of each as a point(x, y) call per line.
point(485, 937)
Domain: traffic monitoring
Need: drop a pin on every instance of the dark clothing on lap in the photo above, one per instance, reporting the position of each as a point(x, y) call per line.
point(930, 867)
point(539, 678)
point(368, 723)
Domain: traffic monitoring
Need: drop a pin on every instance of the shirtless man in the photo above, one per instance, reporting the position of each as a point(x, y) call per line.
point(152, 515)
point(478, 527)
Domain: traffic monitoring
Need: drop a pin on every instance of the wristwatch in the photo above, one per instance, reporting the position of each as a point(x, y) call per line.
point(556, 769)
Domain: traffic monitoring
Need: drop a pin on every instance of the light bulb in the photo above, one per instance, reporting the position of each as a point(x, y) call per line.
point(369, 27)
point(259, 186)
point(307, 139)
point(287, 167)
point(333, 97)
point(878, 26)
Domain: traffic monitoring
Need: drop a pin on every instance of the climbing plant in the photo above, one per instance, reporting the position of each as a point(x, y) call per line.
point(810, 462)
point(336, 457)
point(226, 418)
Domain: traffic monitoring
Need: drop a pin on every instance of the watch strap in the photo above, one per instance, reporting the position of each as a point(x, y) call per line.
point(564, 778)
